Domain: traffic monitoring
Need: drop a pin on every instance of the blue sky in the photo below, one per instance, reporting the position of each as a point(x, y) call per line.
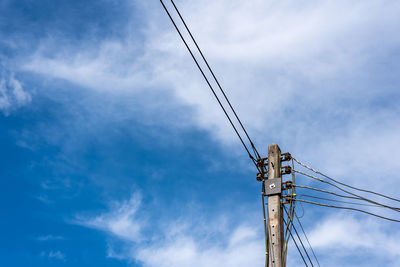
point(114, 152)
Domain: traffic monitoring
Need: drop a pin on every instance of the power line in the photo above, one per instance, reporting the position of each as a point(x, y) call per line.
point(334, 200)
point(255, 156)
point(289, 225)
point(338, 187)
point(265, 231)
point(305, 250)
point(298, 249)
point(304, 232)
point(216, 80)
point(209, 85)
point(288, 229)
point(323, 191)
point(348, 208)
point(352, 187)
point(298, 236)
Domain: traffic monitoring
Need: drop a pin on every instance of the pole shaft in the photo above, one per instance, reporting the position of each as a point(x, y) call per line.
point(274, 209)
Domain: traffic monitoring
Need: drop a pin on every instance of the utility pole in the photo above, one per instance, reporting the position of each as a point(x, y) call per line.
point(273, 189)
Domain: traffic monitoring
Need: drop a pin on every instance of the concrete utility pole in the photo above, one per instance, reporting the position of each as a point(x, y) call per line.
point(273, 189)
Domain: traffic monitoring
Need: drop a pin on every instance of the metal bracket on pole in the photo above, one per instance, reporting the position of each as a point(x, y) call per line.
point(286, 170)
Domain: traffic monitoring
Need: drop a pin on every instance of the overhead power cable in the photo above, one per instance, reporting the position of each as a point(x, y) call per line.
point(352, 187)
point(304, 248)
point(212, 89)
point(338, 201)
point(304, 232)
point(216, 80)
point(347, 208)
point(295, 243)
point(298, 236)
point(348, 192)
point(324, 191)
point(265, 231)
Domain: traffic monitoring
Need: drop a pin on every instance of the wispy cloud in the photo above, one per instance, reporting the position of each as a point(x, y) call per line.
point(179, 243)
point(120, 221)
point(54, 254)
point(49, 238)
point(329, 234)
point(340, 235)
point(12, 93)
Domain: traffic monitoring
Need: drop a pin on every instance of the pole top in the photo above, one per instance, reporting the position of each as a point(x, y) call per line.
point(274, 147)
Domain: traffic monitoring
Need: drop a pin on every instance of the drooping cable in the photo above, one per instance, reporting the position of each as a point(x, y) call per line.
point(352, 187)
point(348, 192)
point(301, 242)
point(302, 210)
point(265, 231)
point(339, 201)
point(324, 191)
point(210, 86)
point(347, 208)
point(304, 232)
point(298, 249)
point(216, 80)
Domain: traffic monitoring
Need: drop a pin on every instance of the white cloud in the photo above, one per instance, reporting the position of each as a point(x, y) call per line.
point(49, 238)
point(121, 221)
point(100, 69)
point(57, 254)
point(344, 236)
point(179, 243)
point(12, 94)
point(185, 250)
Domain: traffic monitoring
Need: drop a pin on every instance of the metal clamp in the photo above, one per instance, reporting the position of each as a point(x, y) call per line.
point(286, 156)
point(287, 185)
point(262, 176)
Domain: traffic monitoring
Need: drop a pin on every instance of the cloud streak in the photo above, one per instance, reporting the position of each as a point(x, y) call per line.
point(179, 243)
point(12, 93)
point(120, 221)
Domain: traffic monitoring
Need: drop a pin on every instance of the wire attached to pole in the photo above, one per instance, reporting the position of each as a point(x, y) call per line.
point(298, 236)
point(348, 208)
point(216, 80)
point(349, 186)
point(265, 232)
point(348, 192)
point(212, 89)
point(298, 249)
point(304, 232)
